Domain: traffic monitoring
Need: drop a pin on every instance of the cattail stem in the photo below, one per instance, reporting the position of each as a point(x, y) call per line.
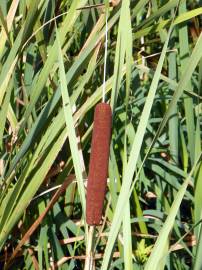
point(89, 251)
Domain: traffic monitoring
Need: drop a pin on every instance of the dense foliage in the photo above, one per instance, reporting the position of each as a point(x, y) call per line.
point(51, 77)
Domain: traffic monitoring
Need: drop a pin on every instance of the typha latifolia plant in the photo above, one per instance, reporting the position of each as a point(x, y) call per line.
point(52, 59)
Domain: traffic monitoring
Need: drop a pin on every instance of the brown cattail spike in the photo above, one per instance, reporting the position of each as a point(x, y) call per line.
point(99, 158)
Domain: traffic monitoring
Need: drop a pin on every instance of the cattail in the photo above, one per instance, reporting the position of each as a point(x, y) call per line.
point(99, 158)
